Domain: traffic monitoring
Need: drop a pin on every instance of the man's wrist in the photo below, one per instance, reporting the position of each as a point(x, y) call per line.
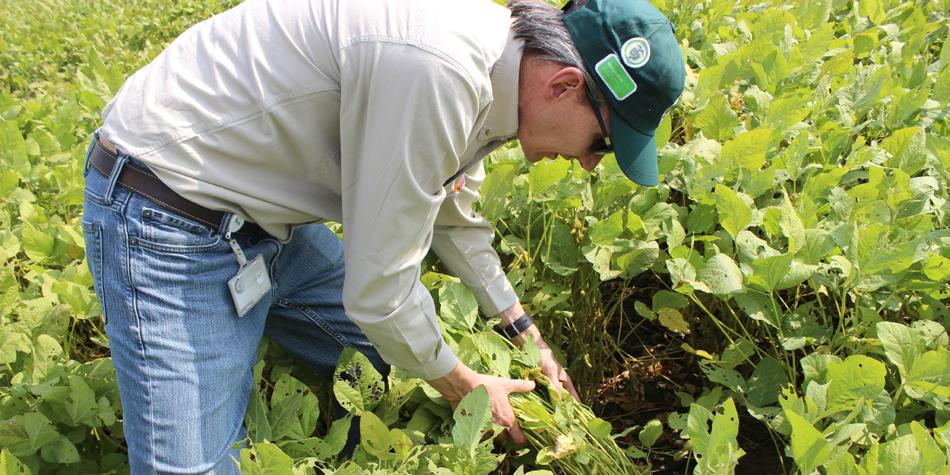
point(512, 313)
point(455, 385)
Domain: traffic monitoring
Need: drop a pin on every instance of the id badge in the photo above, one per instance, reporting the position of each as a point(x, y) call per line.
point(249, 285)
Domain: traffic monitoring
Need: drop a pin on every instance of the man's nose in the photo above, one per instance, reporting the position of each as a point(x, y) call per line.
point(590, 161)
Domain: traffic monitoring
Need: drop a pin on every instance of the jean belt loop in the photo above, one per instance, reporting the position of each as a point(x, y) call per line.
point(225, 221)
point(85, 163)
point(120, 162)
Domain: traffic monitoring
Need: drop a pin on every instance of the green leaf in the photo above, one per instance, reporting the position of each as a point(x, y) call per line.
point(10, 465)
point(843, 465)
point(937, 268)
point(472, 418)
point(767, 381)
point(545, 177)
point(294, 409)
point(853, 379)
point(792, 226)
point(457, 306)
point(495, 352)
point(256, 418)
point(336, 438)
point(717, 120)
point(26, 434)
point(929, 378)
point(665, 298)
point(651, 432)
point(757, 307)
point(874, 10)
point(748, 149)
point(61, 451)
point(900, 456)
point(600, 428)
point(901, 345)
point(81, 406)
point(697, 427)
point(357, 385)
point(374, 436)
point(493, 194)
point(908, 149)
point(606, 231)
point(265, 459)
point(637, 260)
point(721, 275)
point(673, 320)
point(11, 342)
point(932, 459)
point(717, 451)
point(37, 243)
point(768, 272)
point(809, 447)
point(815, 367)
point(734, 213)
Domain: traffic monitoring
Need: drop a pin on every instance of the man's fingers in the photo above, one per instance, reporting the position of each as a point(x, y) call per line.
point(555, 376)
point(520, 386)
point(517, 435)
point(570, 387)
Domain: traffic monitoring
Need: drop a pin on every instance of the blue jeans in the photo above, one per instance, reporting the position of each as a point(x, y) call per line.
point(183, 357)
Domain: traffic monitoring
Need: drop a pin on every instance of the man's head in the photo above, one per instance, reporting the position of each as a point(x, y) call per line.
point(638, 73)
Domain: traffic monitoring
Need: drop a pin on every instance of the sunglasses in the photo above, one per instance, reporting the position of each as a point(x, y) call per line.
point(603, 145)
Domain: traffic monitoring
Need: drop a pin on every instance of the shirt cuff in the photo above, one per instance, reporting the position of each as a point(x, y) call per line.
point(495, 297)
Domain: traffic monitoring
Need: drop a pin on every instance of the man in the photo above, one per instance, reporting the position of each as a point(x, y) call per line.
point(214, 157)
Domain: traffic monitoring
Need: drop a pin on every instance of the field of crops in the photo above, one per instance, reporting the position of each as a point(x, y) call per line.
point(778, 304)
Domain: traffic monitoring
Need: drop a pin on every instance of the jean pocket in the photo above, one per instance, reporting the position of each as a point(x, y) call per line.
point(166, 231)
point(92, 233)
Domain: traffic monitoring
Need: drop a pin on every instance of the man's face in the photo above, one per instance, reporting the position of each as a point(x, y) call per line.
point(555, 117)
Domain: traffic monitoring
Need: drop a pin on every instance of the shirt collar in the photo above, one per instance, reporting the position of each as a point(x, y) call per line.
point(502, 119)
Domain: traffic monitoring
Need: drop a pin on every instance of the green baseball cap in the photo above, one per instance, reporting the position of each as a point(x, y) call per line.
point(631, 51)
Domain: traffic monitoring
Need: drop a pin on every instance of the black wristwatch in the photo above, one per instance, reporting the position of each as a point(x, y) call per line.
point(518, 326)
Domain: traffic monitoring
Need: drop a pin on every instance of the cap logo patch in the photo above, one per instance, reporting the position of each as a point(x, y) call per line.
point(636, 52)
point(615, 77)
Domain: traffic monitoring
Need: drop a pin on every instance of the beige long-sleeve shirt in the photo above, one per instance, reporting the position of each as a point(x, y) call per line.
point(357, 111)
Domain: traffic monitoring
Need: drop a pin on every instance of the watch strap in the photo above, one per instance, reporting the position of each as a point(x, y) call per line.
point(518, 326)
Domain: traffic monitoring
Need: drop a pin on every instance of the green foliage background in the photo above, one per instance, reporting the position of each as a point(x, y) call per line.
point(796, 252)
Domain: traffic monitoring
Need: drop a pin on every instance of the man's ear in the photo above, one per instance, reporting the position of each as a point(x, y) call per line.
point(566, 82)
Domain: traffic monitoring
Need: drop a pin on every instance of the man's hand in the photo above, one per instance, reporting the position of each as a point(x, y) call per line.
point(462, 380)
point(548, 363)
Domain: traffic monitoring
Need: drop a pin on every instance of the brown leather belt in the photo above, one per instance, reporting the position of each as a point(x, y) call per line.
point(143, 182)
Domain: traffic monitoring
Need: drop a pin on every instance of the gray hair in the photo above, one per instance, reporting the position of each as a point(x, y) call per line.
point(541, 27)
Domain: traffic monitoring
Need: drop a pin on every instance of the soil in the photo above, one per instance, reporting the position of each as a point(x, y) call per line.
point(647, 389)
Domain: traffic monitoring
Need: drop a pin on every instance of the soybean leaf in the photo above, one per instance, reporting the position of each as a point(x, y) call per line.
point(472, 418)
point(265, 459)
point(734, 213)
point(717, 120)
point(809, 447)
point(651, 432)
point(374, 436)
point(61, 451)
point(901, 345)
point(10, 465)
point(767, 381)
point(721, 275)
point(457, 306)
point(673, 320)
point(848, 377)
point(929, 378)
point(357, 385)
